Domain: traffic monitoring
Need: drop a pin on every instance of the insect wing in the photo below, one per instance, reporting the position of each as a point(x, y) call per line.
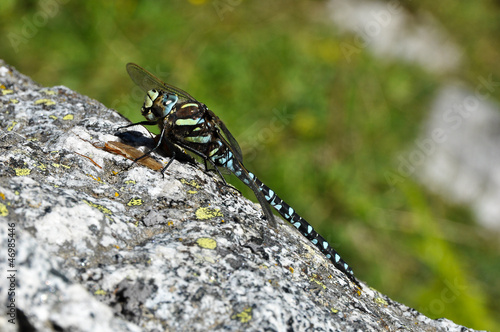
point(227, 137)
point(266, 208)
point(147, 81)
point(232, 142)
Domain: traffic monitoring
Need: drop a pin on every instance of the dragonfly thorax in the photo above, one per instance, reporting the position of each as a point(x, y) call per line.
point(158, 104)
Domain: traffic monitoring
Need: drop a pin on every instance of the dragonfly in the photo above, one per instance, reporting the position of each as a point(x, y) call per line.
point(188, 125)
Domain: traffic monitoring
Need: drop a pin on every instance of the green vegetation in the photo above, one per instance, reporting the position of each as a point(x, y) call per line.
point(321, 129)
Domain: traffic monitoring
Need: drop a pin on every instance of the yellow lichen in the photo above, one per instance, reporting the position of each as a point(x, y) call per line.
point(381, 301)
point(191, 183)
point(135, 202)
point(245, 316)
point(318, 282)
point(22, 171)
point(3, 210)
point(207, 243)
point(205, 213)
point(49, 92)
point(100, 292)
point(60, 165)
point(12, 125)
point(99, 207)
point(45, 101)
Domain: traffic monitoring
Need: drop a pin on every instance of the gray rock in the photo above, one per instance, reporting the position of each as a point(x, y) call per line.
point(103, 244)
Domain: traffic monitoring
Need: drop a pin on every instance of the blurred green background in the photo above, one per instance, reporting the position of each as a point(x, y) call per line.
point(322, 130)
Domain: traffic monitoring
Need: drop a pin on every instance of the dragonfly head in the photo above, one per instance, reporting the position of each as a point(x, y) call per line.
point(158, 104)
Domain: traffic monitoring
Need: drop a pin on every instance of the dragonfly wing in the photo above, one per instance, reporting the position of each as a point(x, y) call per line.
point(264, 204)
point(244, 176)
point(235, 147)
point(226, 136)
point(147, 81)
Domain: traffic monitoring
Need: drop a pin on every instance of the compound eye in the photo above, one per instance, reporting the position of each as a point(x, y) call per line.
point(169, 100)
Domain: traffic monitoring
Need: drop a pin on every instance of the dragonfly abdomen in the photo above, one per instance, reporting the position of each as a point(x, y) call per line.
point(286, 211)
point(289, 214)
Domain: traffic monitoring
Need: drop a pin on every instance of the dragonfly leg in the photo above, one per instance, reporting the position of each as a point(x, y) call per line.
point(153, 149)
point(144, 123)
point(214, 170)
point(168, 164)
point(205, 158)
point(217, 170)
point(150, 151)
point(176, 152)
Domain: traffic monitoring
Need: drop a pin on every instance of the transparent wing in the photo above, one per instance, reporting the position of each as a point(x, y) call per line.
point(227, 137)
point(232, 142)
point(147, 81)
point(229, 140)
point(266, 208)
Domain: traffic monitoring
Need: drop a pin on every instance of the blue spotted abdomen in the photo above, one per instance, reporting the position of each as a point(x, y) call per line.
point(224, 157)
point(287, 212)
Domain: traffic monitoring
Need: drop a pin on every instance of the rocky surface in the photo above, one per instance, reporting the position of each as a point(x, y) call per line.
point(103, 244)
